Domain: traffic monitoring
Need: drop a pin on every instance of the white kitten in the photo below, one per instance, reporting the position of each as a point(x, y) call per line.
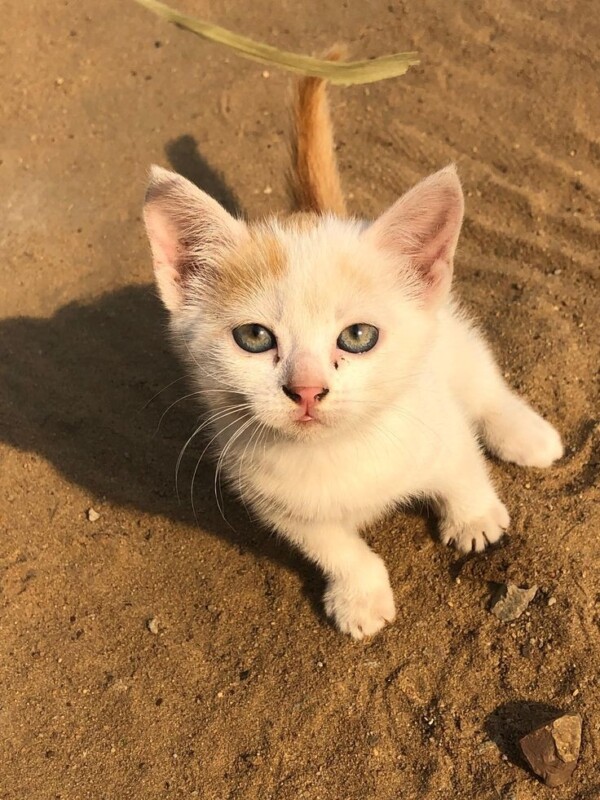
point(342, 378)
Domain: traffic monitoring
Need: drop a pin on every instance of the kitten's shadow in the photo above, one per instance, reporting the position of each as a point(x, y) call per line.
point(78, 389)
point(185, 158)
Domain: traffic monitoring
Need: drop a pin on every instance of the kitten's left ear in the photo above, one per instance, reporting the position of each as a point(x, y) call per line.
point(423, 226)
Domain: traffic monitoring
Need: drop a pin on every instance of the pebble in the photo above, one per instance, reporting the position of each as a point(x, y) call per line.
point(92, 515)
point(512, 602)
point(552, 751)
point(152, 626)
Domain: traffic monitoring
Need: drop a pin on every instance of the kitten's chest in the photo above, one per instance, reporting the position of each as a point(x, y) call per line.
point(353, 480)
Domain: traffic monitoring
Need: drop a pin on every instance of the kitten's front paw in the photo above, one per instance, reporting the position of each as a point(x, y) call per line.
point(523, 437)
point(362, 603)
point(476, 534)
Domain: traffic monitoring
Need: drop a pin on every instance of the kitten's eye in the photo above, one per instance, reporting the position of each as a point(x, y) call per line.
point(358, 338)
point(254, 338)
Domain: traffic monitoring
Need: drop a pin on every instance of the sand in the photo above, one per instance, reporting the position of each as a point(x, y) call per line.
point(157, 653)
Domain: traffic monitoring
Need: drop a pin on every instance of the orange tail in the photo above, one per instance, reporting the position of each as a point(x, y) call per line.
point(315, 181)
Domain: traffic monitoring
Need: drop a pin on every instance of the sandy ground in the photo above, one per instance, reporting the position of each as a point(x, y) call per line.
point(246, 691)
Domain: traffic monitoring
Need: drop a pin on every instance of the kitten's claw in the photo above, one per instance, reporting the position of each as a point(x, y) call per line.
point(362, 604)
point(476, 534)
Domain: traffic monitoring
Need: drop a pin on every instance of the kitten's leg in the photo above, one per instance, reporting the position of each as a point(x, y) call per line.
point(472, 516)
point(515, 432)
point(511, 429)
point(358, 596)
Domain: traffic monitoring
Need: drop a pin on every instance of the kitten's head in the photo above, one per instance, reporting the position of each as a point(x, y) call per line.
point(310, 324)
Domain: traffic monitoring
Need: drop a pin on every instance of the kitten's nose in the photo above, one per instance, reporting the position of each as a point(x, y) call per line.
point(305, 396)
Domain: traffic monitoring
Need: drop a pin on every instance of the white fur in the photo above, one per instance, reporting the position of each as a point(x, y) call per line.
point(399, 422)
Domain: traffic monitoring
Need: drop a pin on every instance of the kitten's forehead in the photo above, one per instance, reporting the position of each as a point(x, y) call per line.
point(305, 270)
point(323, 262)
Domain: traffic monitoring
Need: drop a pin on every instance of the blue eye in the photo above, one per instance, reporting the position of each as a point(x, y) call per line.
point(358, 338)
point(253, 338)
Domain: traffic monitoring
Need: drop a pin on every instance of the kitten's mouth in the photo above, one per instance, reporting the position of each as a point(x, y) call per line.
point(306, 418)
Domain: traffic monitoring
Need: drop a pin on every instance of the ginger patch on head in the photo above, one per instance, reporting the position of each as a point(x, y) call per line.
point(260, 261)
point(301, 221)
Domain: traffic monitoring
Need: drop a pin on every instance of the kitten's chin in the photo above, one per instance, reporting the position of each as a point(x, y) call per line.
point(300, 430)
point(311, 430)
point(308, 431)
point(314, 428)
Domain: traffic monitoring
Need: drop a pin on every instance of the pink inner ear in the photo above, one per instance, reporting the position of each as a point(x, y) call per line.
point(163, 237)
point(164, 244)
point(424, 226)
point(187, 230)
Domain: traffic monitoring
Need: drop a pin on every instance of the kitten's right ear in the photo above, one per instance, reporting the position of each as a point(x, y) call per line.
point(188, 232)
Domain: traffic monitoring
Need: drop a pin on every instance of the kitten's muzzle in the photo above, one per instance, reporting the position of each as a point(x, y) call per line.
point(307, 397)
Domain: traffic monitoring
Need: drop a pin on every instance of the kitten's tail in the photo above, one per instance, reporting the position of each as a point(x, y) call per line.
point(314, 177)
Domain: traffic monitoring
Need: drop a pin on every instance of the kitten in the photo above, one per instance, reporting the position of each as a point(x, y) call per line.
point(341, 377)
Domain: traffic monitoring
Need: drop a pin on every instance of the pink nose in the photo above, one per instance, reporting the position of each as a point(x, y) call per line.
point(306, 396)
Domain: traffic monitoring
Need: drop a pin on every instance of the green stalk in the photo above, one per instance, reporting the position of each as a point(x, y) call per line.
point(344, 73)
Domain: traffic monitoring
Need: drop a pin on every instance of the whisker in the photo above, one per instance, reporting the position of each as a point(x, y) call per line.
point(255, 433)
point(168, 386)
point(196, 393)
point(213, 418)
point(174, 403)
point(220, 462)
point(222, 430)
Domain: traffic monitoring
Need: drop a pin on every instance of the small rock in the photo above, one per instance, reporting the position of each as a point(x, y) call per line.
point(513, 601)
point(152, 626)
point(553, 750)
point(551, 601)
point(92, 515)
